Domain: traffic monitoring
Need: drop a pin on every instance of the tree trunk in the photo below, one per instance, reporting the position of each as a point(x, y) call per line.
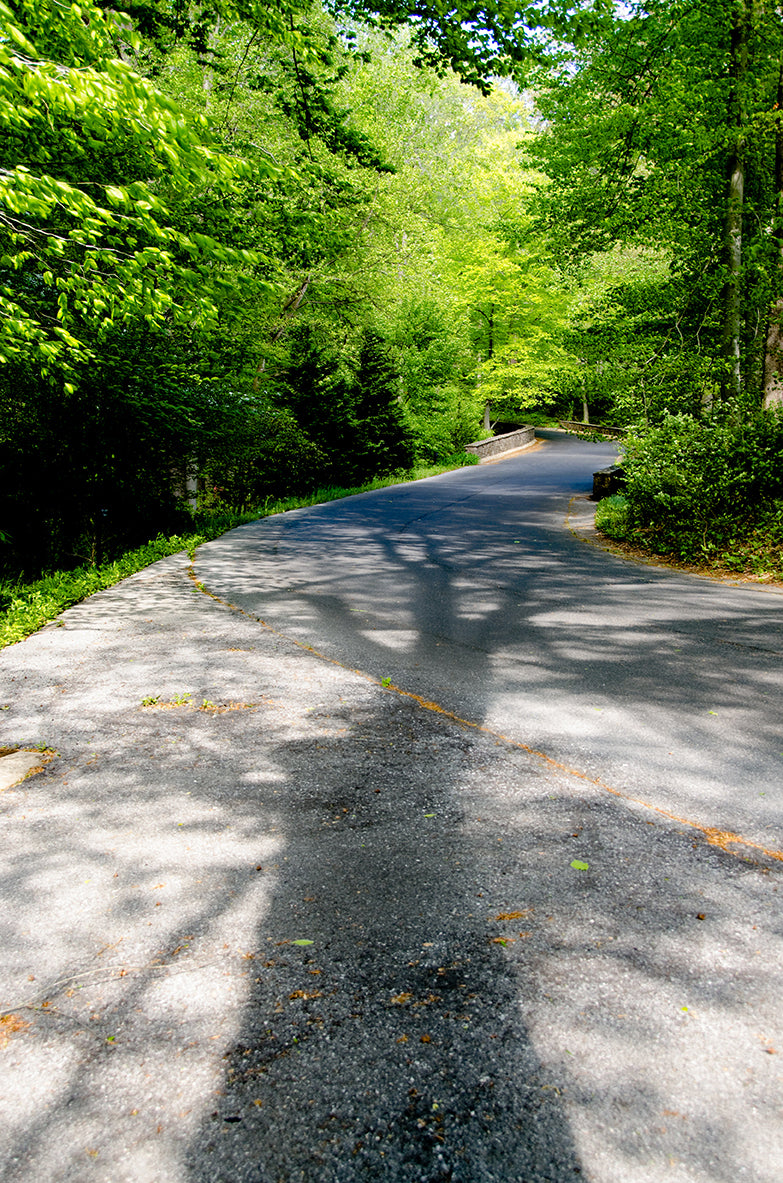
point(735, 200)
point(773, 357)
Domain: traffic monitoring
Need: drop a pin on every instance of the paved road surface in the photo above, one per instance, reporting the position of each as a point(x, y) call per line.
point(300, 924)
point(468, 590)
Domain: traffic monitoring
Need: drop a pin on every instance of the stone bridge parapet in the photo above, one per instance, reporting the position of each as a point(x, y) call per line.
point(498, 444)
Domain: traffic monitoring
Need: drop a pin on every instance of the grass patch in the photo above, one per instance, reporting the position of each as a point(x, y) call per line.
point(26, 607)
point(29, 606)
point(612, 516)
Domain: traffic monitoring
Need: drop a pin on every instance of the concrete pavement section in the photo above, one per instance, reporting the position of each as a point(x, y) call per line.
point(268, 918)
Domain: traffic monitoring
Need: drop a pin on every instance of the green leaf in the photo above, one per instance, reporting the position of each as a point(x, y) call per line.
point(303, 942)
point(580, 866)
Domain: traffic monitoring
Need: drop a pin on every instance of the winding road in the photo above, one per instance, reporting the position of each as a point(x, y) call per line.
point(407, 837)
point(466, 590)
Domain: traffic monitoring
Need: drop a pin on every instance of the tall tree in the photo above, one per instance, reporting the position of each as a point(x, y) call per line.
point(93, 157)
point(662, 133)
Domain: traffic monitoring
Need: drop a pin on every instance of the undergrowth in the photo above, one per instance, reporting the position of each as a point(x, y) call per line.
point(26, 607)
point(752, 547)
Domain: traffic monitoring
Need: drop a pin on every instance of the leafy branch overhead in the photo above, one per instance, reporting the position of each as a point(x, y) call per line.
point(94, 156)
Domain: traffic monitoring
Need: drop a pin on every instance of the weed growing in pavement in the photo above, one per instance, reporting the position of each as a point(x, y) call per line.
point(186, 700)
point(177, 700)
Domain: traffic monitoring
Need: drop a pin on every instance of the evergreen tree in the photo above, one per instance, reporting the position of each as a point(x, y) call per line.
point(315, 385)
point(384, 441)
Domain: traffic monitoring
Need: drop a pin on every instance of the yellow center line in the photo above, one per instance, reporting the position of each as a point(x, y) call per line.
point(724, 839)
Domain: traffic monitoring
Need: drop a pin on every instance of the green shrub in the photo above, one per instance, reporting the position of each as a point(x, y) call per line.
point(693, 484)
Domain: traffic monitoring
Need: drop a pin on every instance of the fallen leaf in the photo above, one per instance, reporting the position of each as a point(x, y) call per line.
point(514, 915)
point(580, 866)
point(303, 942)
point(426, 1001)
point(426, 1039)
point(401, 999)
point(9, 1025)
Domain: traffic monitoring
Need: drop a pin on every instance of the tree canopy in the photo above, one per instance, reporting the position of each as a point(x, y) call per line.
point(267, 244)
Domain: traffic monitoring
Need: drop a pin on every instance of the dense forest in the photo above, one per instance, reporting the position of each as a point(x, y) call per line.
point(262, 248)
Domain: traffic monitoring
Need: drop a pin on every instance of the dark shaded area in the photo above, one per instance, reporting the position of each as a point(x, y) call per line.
point(391, 1047)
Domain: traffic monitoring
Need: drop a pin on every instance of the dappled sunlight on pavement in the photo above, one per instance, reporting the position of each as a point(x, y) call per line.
point(375, 875)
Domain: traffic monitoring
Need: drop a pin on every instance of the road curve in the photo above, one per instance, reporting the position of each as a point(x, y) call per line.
point(407, 838)
point(469, 591)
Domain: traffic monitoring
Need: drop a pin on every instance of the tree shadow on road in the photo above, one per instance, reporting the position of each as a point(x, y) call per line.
point(392, 1045)
point(472, 1006)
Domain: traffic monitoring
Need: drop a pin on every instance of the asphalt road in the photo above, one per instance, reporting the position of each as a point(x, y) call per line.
point(467, 590)
point(448, 850)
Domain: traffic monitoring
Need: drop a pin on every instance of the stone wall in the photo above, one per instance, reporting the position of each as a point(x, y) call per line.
point(592, 429)
point(501, 443)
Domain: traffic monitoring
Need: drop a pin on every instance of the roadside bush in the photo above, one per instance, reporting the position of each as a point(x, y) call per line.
point(460, 459)
point(693, 483)
point(266, 455)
